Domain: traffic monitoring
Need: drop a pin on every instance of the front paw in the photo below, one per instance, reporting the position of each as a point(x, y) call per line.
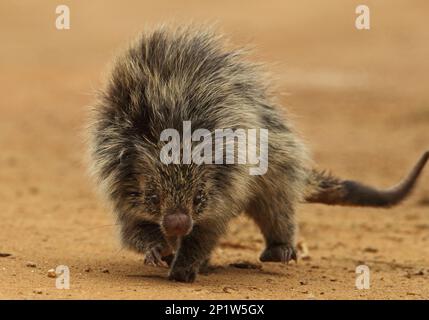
point(155, 256)
point(183, 274)
point(279, 253)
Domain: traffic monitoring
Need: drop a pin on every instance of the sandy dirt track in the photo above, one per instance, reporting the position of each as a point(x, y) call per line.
point(360, 99)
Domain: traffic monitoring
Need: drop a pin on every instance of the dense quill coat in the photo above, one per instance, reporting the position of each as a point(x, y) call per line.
point(175, 214)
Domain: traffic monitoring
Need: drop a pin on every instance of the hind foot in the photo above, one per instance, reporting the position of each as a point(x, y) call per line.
point(279, 253)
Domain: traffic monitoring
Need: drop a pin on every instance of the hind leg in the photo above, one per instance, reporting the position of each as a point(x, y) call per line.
point(277, 223)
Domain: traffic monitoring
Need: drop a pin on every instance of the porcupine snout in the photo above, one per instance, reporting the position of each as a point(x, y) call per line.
point(177, 223)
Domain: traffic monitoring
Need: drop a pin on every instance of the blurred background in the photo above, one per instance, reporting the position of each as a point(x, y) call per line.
point(358, 97)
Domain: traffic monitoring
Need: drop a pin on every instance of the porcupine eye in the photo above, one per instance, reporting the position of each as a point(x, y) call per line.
point(199, 198)
point(153, 199)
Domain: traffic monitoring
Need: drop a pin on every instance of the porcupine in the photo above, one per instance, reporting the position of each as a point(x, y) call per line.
point(175, 213)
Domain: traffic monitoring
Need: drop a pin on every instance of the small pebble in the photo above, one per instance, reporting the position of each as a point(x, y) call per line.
point(420, 273)
point(228, 289)
point(52, 273)
point(4, 255)
point(370, 250)
point(31, 264)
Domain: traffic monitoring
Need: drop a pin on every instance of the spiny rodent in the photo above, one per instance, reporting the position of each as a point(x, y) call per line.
point(175, 213)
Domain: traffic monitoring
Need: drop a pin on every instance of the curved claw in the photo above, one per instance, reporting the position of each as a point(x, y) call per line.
point(154, 258)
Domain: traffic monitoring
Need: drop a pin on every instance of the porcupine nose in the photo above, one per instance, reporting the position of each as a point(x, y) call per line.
point(177, 224)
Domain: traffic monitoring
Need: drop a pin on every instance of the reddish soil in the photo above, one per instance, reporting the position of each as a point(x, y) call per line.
point(359, 98)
